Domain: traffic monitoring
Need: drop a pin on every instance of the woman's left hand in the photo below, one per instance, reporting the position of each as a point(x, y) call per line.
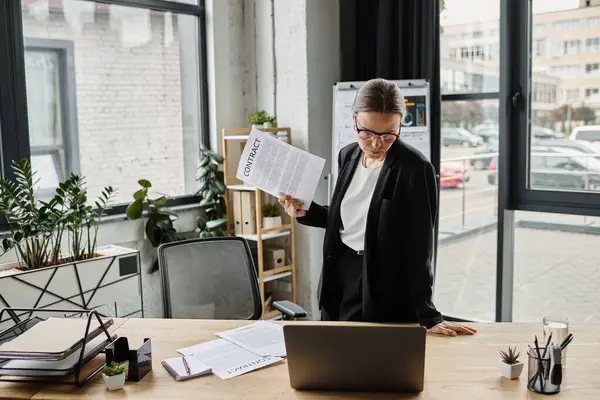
point(448, 328)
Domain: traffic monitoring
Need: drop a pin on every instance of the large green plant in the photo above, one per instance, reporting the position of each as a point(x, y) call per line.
point(213, 221)
point(37, 227)
point(159, 225)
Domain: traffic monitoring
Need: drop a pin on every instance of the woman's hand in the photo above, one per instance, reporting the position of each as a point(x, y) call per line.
point(292, 207)
point(448, 328)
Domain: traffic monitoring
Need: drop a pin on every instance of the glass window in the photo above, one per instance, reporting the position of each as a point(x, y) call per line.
point(478, 51)
point(556, 258)
point(592, 44)
point(591, 91)
point(466, 256)
point(125, 107)
point(592, 67)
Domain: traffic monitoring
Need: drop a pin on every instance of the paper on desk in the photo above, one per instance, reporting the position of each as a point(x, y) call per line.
point(227, 359)
point(278, 168)
point(263, 338)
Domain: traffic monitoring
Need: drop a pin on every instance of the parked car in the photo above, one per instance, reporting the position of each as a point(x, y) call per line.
point(540, 132)
point(484, 162)
point(489, 134)
point(460, 137)
point(589, 133)
point(453, 175)
point(575, 146)
point(558, 168)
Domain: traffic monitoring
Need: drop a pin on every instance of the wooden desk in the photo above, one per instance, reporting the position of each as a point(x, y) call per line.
point(465, 367)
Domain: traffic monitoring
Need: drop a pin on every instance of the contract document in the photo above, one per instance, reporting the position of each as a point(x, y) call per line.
point(263, 338)
point(227, 359)
point(278, 168)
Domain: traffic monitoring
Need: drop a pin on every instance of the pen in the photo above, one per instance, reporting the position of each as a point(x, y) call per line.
point(185, 364)
point(566, 341)
point(540, 363)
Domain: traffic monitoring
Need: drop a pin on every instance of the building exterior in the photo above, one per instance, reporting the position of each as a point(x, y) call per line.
point(565, 58)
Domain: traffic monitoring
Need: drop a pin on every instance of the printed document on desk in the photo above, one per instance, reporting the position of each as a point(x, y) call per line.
point(262, 337)
point(278, 168)
point(227, 359)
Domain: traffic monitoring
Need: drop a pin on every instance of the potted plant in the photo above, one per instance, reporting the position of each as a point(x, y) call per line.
point(213, 221)
point(258, 118)
point(510, 366)
point(271, 122)
point(271, 216)
point(53, 240)
point(114, 376)
point(159, 225)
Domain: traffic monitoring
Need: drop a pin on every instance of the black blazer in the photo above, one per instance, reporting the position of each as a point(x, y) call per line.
point(397, 276)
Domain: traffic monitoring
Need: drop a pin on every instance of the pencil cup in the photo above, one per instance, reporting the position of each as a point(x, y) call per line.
point(542, 374)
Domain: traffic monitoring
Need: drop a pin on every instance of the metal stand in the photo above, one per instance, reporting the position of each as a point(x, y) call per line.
point(71, 375)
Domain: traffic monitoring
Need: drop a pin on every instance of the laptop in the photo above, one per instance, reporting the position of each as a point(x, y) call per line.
point(369, 358)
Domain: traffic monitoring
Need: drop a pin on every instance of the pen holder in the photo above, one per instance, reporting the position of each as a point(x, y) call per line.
point(139, 361)
point(544, 374)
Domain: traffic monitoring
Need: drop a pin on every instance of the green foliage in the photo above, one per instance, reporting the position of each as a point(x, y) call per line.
point(511, 357)
point(272, 119)
point(37, 227)
point(258, 117)
point(211, 189)
point(159, 226)
point(113, 369)
point(271, 210)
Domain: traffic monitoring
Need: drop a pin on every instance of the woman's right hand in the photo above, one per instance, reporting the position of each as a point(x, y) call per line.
point(292, 207)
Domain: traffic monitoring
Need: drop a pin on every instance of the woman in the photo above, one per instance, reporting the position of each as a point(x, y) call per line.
point(379, 226)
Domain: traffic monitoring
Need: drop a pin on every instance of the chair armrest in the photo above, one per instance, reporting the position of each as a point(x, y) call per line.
point(289, 310)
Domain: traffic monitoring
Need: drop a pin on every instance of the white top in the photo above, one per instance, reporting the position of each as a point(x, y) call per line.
point(355, 206)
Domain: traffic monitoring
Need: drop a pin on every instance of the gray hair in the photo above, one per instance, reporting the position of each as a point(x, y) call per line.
point(379, 95)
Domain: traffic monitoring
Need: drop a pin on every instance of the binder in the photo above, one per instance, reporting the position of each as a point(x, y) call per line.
point(248, 213)
point(237, 213)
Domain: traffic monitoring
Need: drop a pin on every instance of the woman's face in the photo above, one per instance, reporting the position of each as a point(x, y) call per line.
point(376, 132)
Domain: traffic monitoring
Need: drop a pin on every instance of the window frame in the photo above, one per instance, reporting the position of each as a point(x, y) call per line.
point(518, 82)
point(14, 127)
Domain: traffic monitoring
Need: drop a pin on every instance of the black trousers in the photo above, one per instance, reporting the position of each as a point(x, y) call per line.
point(344, 301)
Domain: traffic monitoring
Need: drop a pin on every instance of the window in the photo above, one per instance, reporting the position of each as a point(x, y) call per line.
point(591, 91)
point(540, 47)
point(544, 93)
point(592, 67)
point(477, 34)
point(570, 46)
point(593, 21)
point(589, 135)
point(539, 27)
point(592, 44)
point(114, 95)
point(464, 53)
point(566, 70)
point(567, 24)
point(568, 268)
point(452, 54)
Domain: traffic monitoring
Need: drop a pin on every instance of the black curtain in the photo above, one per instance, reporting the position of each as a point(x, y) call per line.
point(393, 39)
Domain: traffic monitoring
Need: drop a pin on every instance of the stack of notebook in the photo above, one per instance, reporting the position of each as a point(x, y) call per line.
point(52, 348)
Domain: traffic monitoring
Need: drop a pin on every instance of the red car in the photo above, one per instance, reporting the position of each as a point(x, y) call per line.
point(453, 175)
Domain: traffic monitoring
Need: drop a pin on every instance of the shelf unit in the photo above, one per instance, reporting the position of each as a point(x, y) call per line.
point(238, 137)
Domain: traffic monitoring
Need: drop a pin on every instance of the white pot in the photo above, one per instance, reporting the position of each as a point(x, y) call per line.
point(99, 282)
point(511, 371)
point(271, 222)
point(258, 126)
point(268, 125)
point(114, 382)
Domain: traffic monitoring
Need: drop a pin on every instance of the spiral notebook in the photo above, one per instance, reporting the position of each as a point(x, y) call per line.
point(176, 367)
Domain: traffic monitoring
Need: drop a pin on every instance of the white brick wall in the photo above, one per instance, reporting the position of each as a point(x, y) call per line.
point(129, 108)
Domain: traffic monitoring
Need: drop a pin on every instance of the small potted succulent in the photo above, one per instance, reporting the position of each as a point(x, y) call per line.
point(114, 376)
point(258, 118)
point(271, 216)
point(510, 366)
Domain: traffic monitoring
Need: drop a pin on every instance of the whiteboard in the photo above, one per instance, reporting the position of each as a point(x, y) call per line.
point(415, 125)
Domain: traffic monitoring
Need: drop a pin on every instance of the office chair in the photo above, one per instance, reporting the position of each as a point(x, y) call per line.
point(213, 278)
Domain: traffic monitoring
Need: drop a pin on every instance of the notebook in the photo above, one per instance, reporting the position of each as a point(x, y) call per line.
point(177, 369)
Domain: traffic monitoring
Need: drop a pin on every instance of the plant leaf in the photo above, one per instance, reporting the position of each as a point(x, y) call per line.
point(217, 223)
point(134, 210)
point(145, 183)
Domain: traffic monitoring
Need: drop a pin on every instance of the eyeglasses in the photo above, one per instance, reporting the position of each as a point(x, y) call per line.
point(367, 134)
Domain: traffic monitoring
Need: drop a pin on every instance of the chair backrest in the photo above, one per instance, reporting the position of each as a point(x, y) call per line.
point(213, 278)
